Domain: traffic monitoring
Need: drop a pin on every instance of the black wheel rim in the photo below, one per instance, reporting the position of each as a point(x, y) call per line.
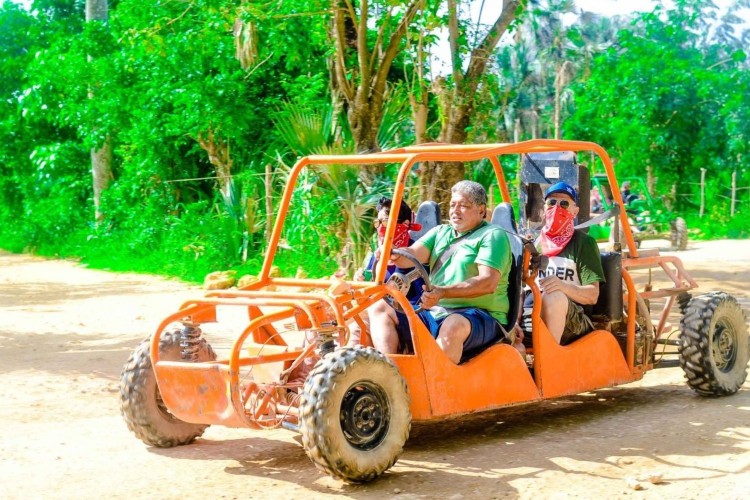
point(724, 346)
point(365, 415)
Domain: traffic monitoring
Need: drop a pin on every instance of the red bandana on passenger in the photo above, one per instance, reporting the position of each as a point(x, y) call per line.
point(557, 231)
point(401, 237)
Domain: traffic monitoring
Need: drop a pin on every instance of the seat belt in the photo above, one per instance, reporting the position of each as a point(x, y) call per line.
point(615, 210)
point(443, 257)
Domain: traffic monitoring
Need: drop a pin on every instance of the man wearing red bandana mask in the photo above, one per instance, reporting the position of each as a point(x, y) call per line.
point(572, 276)
point(401, 239)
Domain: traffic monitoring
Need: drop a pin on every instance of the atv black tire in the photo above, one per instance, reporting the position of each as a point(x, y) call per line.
point(355, 414)
point(140, 401)
point(714, 344)
point(678, 234)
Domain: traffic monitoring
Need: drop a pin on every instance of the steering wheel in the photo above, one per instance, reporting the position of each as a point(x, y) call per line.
point(402, 282)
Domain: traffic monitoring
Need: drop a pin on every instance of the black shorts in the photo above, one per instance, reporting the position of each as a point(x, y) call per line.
point(485, 330)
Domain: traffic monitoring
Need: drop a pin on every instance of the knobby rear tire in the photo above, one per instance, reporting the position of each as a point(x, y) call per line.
point(678, 234)
point(714, 344)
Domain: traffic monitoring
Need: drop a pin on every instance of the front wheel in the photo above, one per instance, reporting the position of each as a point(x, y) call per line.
point(355, 414)
point(140, 401)
point(714, 344)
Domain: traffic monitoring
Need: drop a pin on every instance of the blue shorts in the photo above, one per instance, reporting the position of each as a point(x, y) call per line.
point(485, 330)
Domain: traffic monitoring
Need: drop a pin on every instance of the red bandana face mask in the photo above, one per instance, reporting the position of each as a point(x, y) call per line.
point(401, 237)
point(557, 231)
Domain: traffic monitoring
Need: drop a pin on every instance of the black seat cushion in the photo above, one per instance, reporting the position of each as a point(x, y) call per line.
point(504, 217)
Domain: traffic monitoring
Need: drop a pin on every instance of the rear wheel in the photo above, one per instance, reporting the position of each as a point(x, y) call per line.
point(678, 234)
point(714, 344)
point(140, 401)
point(355, 414)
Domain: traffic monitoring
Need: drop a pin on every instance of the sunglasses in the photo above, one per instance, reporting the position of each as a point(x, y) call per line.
point(553, 201)
point(377, 223)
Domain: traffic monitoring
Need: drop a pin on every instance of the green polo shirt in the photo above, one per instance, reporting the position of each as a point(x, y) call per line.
point(487, 245)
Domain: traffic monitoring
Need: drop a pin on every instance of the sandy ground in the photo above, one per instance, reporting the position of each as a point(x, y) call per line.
point(66, 331)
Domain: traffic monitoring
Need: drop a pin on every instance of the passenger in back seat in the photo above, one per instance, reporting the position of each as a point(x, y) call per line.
point(572, 277)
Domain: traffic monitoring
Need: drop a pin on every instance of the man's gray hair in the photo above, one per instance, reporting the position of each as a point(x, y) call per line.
point(473, 190)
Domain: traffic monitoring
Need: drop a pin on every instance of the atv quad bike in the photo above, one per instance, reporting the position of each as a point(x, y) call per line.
point(354, 407)
point(651, 219)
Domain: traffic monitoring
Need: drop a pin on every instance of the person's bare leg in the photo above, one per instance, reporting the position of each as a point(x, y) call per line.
point(356, 334)
point(517, 334)
point(383, 323)
point(554, 312)
point(452, 334)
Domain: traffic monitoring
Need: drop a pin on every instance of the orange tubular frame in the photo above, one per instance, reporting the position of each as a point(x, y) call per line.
point(213, 392)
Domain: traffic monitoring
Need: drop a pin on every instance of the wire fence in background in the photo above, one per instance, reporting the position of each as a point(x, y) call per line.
point(739, 198)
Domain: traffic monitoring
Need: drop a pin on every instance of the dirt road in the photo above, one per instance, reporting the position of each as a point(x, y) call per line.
point(65, 332)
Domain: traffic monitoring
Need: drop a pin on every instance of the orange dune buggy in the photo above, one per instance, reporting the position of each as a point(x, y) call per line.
point(354, 409)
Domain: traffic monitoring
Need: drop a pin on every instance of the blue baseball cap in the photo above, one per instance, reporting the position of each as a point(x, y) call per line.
point(562, 187)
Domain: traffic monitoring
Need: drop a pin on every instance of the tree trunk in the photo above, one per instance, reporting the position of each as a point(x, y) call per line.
point(418, 97)
point(650, 180)
point(101, 172)
point(437, 182)
point(560, 82)
point(558, 85)
point(458, 105)
point(364, 120)
point(220, 157)
point(97, 10)
point(363, 84)
point(420, 110)
point(101, 159)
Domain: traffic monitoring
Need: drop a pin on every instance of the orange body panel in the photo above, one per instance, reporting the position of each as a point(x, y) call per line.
point(412, 370)
point(496, 377)
point(198, 393)
point(591, 362)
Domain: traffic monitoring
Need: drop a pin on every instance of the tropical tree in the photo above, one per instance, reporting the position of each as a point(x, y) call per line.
point(458, 92)
point(304, 130)
point(362, 61)
point(674, 118)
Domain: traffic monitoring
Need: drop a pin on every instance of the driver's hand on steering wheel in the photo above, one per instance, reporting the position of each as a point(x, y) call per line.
point(379, 252)
point(430, 298)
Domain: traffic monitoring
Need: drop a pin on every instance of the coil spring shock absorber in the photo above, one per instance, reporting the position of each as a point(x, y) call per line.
point(190, 339)
point(326, 343)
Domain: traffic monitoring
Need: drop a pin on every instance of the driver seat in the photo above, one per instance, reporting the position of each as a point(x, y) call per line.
point(504, 218)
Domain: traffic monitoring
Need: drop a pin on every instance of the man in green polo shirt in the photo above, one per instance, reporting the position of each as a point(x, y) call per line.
point(470, 261)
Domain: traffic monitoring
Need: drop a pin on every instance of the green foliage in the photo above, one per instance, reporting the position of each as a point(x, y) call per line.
point(160, 82)
point(719, 223)
point(332, 206)
point(186, 91)
point(677, 117)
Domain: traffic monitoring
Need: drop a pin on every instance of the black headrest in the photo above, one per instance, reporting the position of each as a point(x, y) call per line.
point(428, 215)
